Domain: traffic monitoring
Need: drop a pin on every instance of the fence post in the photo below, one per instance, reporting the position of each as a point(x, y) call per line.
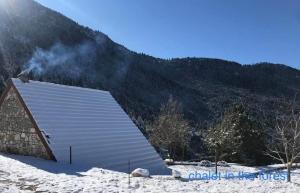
point(70, 155)
point(129, 173)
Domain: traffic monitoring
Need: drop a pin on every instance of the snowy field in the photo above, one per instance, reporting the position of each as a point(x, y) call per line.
point(27, 174)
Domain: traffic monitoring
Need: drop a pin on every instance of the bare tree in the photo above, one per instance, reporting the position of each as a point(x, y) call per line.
point(170, 130)
point(285, 144)
point(218, 137)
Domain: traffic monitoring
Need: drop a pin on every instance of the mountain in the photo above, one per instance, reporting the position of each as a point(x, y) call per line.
point(57, 49)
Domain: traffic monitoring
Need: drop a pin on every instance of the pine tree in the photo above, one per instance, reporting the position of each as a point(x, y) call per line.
point(238, 136)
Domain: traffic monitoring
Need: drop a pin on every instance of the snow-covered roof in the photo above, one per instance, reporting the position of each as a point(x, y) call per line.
point(92, 122)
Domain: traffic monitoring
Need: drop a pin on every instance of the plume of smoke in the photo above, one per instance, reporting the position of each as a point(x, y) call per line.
point(71, 61)
point(91, 62)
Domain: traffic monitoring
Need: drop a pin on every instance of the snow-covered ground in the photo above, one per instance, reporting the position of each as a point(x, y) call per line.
point(27, 174)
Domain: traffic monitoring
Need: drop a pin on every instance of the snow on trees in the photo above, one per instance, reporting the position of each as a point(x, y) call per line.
point(237, 137)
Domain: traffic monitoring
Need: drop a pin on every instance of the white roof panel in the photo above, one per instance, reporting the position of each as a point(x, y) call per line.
point(92, 122)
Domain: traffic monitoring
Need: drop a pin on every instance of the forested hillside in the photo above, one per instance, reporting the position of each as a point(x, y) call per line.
point(59, 50)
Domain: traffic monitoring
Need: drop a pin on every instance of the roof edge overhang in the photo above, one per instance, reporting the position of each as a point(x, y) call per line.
point(10, 85)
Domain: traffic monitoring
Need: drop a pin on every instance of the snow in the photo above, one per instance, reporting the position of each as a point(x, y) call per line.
point(140, 172)
point(28, 174)
point(205, 163)
point(176, 174)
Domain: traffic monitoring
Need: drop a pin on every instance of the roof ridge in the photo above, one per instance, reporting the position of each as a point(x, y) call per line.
point(62, 85)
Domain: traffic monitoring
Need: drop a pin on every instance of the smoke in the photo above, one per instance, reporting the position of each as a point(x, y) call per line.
point(70, 61)
point(92, 63)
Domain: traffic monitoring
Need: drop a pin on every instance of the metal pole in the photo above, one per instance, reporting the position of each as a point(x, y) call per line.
point(129, 173)
point(216, 160)
point(70, 155)
point(217, 157)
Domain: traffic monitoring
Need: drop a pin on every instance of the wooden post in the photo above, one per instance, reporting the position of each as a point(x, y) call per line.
point(70, 155)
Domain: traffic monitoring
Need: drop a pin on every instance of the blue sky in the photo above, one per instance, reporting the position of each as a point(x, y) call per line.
point(246, 31)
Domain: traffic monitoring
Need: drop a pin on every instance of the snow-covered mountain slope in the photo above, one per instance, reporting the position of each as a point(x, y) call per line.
point(28, 174)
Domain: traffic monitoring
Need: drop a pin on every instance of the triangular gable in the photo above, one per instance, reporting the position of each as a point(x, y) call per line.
point(18, 129)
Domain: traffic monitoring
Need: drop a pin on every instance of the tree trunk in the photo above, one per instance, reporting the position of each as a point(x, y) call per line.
point(289, 166)
point(171, 152)
point(183, 148)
